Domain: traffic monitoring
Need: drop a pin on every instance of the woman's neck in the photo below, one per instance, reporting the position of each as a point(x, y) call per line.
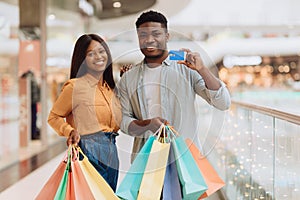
point(98, 76)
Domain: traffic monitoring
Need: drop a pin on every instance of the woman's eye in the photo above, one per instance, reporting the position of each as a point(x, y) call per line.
point(90, 54)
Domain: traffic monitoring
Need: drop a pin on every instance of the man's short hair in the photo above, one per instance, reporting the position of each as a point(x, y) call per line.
point(152, 16)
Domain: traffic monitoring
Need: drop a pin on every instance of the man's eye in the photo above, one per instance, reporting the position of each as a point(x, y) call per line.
point(143, 35)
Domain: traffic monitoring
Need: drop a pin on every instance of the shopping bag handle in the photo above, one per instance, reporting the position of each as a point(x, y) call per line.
point(173, 131)
point(157, 133)
point(78, 149)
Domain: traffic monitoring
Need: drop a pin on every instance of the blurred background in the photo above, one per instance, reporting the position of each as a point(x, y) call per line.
point(253, 46)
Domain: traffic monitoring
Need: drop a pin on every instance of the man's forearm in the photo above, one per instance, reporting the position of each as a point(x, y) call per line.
point(210, 80)
point(138, 127)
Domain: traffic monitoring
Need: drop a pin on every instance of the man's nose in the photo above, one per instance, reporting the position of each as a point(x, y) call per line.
point(149, 38)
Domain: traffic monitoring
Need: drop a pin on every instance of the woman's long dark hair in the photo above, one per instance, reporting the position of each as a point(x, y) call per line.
point(78, 64)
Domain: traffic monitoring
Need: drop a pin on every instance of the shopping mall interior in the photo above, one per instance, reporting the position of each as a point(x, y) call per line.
point(252, 46)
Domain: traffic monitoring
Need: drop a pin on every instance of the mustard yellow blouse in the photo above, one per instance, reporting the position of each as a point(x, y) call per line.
point(87, 106)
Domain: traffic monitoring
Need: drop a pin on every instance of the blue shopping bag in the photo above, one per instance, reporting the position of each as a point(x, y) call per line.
point(191, 179)
point(130, 185)
point(172, 188)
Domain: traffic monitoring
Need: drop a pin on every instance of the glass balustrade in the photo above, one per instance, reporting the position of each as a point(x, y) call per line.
point(256, 151)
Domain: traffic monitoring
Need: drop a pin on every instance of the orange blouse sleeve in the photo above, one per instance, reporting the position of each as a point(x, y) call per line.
point(62, 108)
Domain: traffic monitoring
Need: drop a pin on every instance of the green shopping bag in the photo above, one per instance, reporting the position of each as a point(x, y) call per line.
point(191, 179)
point(130, 185)
point(62, 188)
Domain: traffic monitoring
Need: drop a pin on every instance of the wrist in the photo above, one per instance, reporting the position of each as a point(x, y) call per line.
point(201, 69)
point(72, 133)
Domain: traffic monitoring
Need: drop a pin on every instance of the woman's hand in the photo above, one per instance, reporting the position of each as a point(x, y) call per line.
point(125, 68)
point(73, 138)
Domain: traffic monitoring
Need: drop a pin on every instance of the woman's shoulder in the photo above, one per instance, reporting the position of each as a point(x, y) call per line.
point(69, 83)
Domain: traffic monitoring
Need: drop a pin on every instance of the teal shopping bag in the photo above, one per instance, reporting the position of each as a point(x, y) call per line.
point(191, 179)
point(130, 185)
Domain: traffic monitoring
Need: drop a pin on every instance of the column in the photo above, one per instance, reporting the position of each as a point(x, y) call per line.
point(32, 55)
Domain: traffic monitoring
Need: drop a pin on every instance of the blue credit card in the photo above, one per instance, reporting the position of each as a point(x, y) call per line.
point(176, 55)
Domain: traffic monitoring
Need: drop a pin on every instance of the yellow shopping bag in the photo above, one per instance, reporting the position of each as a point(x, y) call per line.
point(153, 179)
point(97, 184)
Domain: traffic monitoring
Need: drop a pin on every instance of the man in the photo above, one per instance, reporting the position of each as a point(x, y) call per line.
point(159, 90)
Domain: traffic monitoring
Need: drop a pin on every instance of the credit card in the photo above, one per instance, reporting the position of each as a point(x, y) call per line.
point(176, 55)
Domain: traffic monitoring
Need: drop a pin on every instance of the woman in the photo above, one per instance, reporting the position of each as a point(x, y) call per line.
point(88, 103)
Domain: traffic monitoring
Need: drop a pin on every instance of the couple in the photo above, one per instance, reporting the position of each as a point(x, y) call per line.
point(156, 91)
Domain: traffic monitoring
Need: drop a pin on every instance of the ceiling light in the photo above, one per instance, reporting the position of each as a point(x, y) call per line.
point(86, 7)
point(51, 17)
point(117, 4)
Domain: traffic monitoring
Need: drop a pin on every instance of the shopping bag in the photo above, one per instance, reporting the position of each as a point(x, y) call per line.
point(172, 188)
point(130, 185)
point(70, 191)
point(81, 187)
point(191, 179)
point(63, 185)
point(50, 188)
point(211, 177)
point(97, 184)
point(153, 179)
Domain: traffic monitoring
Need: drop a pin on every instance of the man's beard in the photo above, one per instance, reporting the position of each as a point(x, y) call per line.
point(155, 56)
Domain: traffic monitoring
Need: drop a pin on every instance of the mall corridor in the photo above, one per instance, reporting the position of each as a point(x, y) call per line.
point(253, 47)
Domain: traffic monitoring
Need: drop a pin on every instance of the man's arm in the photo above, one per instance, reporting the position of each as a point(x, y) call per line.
point(130, 124)
point(138, 127)
point(215, 91)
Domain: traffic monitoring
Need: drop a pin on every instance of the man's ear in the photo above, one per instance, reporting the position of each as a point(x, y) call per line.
point(167, 36)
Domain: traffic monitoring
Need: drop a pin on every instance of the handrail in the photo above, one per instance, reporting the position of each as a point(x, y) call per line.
point(269, 111)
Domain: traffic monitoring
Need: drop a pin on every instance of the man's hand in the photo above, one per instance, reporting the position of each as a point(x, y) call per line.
point(73, 138)
point(193, 60)
point(138, 127)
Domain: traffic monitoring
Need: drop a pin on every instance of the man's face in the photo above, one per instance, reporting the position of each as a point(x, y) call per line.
point(152, 39)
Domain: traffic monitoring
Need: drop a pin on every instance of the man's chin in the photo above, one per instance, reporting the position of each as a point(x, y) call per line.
point(154, 55)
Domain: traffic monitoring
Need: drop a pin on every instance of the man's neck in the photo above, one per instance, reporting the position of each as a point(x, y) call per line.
point(155, 62)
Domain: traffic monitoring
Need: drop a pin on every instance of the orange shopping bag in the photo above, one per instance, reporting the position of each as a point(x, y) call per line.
point(211, 177)
point(82, 190)
point(50, 188)
point(70, 191)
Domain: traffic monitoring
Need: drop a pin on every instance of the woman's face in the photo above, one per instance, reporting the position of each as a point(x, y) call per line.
point(96, 58)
